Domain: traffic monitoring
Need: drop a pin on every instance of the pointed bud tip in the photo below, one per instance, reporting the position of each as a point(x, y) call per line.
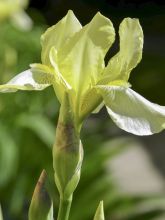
point(41, 203)
point(1, 216)
point(70, 12)
point(101, 204)
point(101, 207)
point(42, 178)
point(40, 184)
point(100, 212)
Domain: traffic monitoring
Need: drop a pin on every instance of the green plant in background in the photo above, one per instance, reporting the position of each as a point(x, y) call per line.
point(14, 10)
point(73, 62)
point(15, 54)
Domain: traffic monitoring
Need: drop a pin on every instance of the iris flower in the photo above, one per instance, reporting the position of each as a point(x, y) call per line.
point(14, 11)
point(73, 63)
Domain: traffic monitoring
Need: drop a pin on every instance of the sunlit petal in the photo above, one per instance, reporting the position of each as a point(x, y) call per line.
point(131, 112)
point(130, 54)
point(26, 80)
point(58, 34)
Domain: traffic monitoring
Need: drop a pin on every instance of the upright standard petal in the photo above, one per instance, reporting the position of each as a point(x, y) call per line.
point(131, 112)
point(81, 59)
point(60, 85)
point(58, 34)
point(130, 54)
point(27, 80)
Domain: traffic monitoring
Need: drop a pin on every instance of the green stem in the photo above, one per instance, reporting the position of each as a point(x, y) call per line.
point(64, 209)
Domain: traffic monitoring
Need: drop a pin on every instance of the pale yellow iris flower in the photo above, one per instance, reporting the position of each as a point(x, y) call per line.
point(73, 63)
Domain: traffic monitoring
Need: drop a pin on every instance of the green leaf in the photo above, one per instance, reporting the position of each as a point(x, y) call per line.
point(130, 54)
point(27, 80)
point(131, 112)
point(99, 212)
point(41, 207)
point(58, 34)
point(40, 125)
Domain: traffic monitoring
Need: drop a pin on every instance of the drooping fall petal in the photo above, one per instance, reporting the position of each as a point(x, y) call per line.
point(27, 80)
point(132, 112)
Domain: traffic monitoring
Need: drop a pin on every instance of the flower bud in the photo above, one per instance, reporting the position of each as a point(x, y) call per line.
point(67, 151)
point(1, 216)
point(99, 215)
point(41, 207)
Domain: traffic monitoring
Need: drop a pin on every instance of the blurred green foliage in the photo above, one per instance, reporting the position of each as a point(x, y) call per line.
point(27, 128)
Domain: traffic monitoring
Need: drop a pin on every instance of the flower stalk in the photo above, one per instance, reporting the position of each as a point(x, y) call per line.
point(67, 157)
point(64, 209)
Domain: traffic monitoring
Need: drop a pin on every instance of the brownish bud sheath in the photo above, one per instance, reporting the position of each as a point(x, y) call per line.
point(67, 151)
point(41, 207)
